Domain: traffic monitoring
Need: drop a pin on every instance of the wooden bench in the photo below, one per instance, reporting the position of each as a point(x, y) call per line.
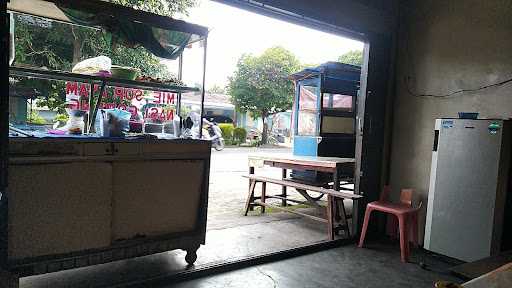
point(333, 198)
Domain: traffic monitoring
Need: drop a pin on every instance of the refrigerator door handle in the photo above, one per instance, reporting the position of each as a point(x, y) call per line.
point(436, 140)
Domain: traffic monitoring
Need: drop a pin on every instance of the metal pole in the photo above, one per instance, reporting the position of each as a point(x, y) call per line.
point(180, 77)
point(94, 111)
point(91, 108)
point(203, 89)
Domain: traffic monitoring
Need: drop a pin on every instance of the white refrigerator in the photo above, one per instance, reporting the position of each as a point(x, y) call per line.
point(467, 198)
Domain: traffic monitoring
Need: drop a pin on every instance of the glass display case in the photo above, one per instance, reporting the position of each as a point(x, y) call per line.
point(69, 64)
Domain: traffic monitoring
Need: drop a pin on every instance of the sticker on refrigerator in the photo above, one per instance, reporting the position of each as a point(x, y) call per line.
point(447, 123)
point(494, 127)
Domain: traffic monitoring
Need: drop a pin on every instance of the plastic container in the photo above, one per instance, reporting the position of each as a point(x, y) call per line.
point(75, 124)
point(112, 122)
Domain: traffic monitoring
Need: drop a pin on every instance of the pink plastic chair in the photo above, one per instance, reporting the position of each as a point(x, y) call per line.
point(406, 214)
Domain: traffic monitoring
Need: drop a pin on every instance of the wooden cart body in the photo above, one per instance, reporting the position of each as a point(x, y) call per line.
point(76, 203)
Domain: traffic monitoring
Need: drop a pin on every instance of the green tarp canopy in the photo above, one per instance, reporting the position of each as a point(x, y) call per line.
point(163, 36)
point(161, 42)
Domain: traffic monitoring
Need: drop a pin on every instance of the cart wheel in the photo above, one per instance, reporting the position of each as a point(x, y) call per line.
point(316, 198)
point(191, 256)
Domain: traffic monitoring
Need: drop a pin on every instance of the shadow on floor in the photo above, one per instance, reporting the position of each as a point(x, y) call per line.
point(269, 233)
point(377, 265)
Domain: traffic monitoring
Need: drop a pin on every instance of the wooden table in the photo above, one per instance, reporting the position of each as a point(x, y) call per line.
point(304, 163)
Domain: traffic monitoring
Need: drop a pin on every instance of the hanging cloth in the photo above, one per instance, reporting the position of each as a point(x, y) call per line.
point(162, 43)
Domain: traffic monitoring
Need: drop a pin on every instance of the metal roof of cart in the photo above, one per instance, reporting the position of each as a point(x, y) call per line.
point(333, 70)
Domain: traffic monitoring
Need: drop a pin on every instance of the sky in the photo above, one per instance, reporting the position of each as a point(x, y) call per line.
point(234, 32)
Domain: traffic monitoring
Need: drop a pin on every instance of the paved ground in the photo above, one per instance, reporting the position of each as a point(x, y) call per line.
point(228, 190)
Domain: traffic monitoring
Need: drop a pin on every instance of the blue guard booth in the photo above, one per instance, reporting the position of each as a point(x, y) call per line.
point(324, 113)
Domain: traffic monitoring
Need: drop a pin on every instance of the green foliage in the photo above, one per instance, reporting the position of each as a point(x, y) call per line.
point(43, 43)
point(239, 135)
point(260, 84)
point(255, 143)
point(354, 57)
point(162, 7)
point(61, 118)
point(309, 65)
point(35, 118)
point(185, 110)
point(227, 130)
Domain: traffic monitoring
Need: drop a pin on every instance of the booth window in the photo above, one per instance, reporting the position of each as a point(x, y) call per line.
point(307, 117)
point(338, 102)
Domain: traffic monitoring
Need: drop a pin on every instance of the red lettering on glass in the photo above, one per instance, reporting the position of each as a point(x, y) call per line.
point(84, 90)
point(158, 97)
point(138, 95)
point(71, 88)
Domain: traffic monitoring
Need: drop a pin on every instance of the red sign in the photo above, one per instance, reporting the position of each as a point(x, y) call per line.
point(123, 98)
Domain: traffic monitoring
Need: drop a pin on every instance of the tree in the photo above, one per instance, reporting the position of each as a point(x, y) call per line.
point(216, 89)
point(162, 7)
point(353, 57)
point(59, 46)
point(261, 84)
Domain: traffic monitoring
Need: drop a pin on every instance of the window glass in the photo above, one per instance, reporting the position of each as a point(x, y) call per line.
point(338, 102)
point(337, 125)
point(62, 107)
point(307, 116)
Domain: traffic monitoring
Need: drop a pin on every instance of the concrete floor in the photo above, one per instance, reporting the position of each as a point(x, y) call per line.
point(376, 266)
point(269, 233)
point(232, 237)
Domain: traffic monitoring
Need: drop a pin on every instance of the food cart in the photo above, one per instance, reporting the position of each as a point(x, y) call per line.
point(324, 113)
point(324, 124)
point(85, 198)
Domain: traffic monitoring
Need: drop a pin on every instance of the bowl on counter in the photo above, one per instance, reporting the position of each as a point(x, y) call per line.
point(128, 73)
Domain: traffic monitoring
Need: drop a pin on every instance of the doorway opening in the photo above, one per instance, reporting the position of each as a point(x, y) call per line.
point(238, 39)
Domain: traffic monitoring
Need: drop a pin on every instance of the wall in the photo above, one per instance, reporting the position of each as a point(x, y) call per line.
point(446, 46)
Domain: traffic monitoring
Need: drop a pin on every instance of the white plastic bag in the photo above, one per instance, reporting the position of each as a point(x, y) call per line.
point(93, 65)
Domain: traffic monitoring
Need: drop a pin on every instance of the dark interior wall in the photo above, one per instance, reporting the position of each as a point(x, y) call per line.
point(446, 46)
point(4, 127)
